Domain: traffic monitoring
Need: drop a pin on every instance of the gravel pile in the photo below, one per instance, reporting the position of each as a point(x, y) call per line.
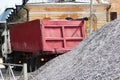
point(95, 58)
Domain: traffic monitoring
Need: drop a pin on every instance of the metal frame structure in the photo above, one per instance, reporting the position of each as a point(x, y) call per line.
point(10, 74)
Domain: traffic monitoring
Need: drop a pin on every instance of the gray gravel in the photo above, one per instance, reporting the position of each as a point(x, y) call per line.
point(95, 58)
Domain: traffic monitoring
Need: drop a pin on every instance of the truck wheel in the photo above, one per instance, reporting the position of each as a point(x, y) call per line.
point(31, 65)
point(35, 64)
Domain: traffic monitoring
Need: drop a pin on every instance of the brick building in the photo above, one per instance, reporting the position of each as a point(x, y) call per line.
point(103, 11)
point(114, 11)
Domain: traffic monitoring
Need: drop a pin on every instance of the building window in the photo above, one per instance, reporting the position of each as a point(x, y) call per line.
point(113, 15)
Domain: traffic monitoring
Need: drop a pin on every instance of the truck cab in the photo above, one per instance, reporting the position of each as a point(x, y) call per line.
point(6, 47)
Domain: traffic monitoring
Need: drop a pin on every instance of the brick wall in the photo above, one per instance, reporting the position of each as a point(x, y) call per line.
point(115, 7)
point(60, 12)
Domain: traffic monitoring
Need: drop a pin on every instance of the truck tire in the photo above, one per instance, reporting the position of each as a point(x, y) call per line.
point(31, 65)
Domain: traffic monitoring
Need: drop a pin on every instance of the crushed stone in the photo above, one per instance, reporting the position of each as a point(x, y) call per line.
point(95, 58)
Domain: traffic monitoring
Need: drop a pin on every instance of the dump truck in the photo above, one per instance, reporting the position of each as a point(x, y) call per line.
point(38, 41)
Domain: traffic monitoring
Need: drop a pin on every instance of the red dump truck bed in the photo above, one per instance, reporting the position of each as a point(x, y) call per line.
point(50, 37)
